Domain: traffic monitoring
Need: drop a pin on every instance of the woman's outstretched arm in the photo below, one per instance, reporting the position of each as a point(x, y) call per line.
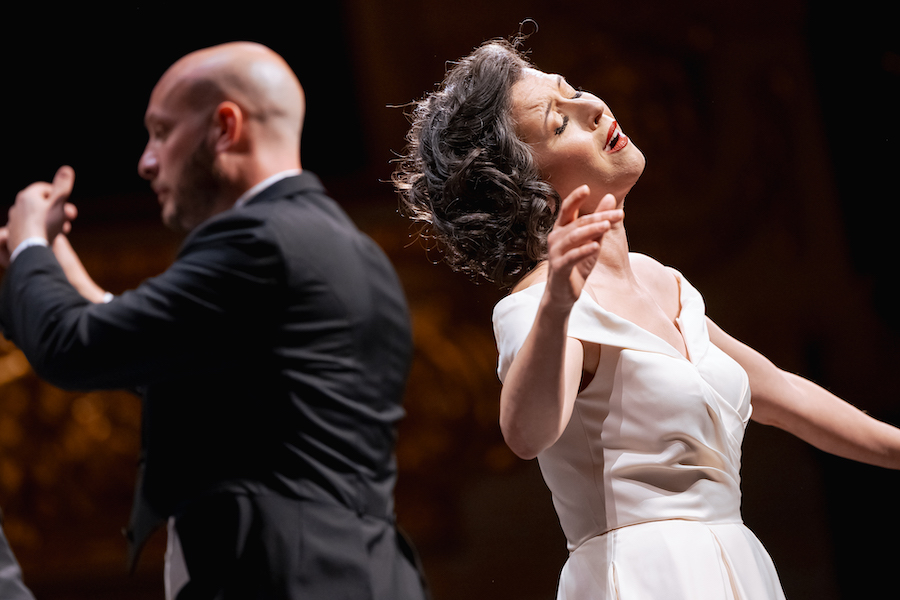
point(810, 412)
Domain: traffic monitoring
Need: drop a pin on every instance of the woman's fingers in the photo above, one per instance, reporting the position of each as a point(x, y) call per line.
point(607, 202)
point(571, 205)
point(570, 260)
point(584, 229)
point(577, 252)
point(571, 209)
point(574, 241)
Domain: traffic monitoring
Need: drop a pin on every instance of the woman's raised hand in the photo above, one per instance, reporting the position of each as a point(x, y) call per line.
point(574, 243)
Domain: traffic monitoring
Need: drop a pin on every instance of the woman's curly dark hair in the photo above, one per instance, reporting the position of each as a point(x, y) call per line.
point(469, 179)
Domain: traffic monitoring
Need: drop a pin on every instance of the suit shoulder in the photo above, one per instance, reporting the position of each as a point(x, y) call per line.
point(309, 211)
point(232, 239)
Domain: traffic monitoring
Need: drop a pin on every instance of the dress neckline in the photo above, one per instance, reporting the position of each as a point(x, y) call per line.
point(651, 341)
point(677, 321)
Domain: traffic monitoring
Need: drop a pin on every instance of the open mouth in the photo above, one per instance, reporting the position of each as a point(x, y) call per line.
point(615, 139)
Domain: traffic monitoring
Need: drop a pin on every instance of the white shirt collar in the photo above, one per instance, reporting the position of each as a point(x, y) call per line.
point(256, 189)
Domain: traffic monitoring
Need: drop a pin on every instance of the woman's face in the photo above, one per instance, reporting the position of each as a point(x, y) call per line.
point(574, 137)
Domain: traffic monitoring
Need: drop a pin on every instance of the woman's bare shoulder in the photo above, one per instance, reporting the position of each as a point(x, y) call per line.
point(535, 276)
point(648, 266)
point(653, 273)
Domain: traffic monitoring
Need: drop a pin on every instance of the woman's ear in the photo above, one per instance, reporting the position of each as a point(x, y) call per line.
point(228, 122)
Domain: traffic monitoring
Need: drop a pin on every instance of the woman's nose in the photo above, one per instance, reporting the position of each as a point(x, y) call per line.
point(593, 109)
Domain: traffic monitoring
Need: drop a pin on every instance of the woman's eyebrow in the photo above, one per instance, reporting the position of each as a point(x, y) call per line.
point(559, 84)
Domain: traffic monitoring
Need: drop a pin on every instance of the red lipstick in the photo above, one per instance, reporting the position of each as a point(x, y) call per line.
point(612, 131)
point(615, 137)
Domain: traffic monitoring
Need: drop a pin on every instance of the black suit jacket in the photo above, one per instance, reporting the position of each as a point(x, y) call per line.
point(272, 356)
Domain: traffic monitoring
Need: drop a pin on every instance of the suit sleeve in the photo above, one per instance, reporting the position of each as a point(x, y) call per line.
point(218, 292)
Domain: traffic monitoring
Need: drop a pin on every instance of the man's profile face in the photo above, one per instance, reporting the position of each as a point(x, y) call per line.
point(178, 160)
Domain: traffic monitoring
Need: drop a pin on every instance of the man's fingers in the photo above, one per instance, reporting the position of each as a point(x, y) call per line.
point(4, 247)
point(62, 184)
point(70, 212)
point(38, 189)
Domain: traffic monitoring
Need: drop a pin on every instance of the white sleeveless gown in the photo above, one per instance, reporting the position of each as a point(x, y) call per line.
point(645, 479)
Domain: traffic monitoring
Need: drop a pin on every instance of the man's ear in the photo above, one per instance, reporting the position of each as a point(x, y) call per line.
point(228, 122)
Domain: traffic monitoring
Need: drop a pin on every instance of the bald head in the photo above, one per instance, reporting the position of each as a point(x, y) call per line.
point(220, 120)
point(251, 75)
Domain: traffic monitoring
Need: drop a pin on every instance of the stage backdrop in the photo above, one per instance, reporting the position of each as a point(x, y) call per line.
point(770, 132)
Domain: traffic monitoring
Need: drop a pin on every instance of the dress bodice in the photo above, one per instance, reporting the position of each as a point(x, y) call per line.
point(654, 435)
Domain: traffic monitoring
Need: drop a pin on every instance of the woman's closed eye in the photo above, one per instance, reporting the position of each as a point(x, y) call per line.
point(559, 130)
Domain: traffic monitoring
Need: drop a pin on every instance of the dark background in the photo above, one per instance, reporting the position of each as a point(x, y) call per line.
point(771, 136)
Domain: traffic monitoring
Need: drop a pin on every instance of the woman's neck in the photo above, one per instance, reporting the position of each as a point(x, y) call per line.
point(612, 262)
point(613, 259)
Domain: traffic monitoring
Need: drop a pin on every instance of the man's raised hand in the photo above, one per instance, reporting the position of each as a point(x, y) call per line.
point(41, 209)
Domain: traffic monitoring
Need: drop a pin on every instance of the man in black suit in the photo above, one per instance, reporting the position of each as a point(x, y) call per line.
point(271, 356)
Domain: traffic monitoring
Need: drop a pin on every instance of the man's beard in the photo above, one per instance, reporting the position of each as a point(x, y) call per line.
point(201, 189)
